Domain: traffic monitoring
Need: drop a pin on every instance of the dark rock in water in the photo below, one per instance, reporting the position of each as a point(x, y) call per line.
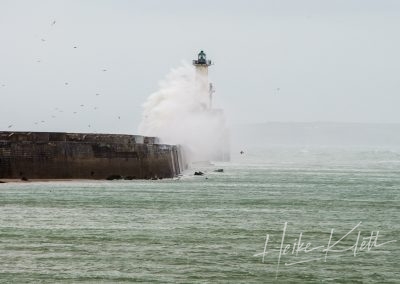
point(113, 177)
point(2, 181)
point(219, 170)
point(24, 178)
point(129, 177)
point(154, 178)
point(198, 173)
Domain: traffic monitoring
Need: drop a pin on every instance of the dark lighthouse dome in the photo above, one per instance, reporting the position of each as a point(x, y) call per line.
point(202, 59)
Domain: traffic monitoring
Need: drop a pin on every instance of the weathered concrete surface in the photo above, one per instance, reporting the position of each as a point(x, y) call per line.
point(49, 155)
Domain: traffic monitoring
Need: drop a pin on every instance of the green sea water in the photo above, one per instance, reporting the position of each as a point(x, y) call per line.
point(213, 228)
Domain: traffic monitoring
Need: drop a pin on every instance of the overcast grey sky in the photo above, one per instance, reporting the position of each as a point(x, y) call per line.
point(280, 60)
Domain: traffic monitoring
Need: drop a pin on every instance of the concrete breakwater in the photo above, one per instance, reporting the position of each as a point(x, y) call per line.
point(57, 155)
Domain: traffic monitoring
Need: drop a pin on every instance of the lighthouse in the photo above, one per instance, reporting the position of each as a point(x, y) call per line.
point(201, 64)
point(218, 136)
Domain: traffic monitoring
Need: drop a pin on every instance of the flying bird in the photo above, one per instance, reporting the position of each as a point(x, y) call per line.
point(10, 126)
point(53, 23)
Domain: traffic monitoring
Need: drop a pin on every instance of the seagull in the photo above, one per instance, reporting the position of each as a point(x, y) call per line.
point(10, 126)
point(119, 117)
point(75, 47)
point(43, 39)
point(82, 105)
point(104, 70)
point(241, 152)
point(66, 83)
point(97, 94)
point(53, 23)
point(74, 112)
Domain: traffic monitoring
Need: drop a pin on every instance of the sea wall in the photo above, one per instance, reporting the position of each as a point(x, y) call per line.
point(50, 155)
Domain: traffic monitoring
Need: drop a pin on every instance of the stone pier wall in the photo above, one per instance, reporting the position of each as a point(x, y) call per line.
point(48, 155)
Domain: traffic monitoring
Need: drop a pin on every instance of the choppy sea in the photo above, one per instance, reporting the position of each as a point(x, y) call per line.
point(276, 215)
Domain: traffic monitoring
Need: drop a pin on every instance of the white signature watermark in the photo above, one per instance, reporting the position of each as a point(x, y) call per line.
point(299, 246)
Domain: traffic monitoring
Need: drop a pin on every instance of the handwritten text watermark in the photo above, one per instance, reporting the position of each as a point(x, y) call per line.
point(357, 244)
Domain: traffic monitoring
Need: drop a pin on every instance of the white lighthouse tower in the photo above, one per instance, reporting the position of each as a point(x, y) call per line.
point(215, 116)
point(201, 65)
